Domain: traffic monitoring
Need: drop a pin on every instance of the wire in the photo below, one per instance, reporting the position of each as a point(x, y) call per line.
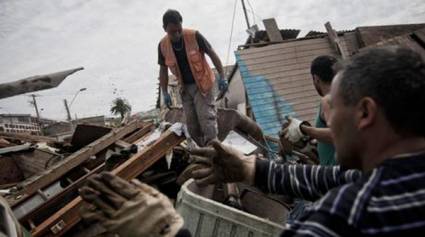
point(253, 13)
point(230, 38)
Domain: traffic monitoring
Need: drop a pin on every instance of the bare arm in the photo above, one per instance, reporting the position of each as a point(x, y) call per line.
point(216, 61)
point(163, 78)
point(321, 134)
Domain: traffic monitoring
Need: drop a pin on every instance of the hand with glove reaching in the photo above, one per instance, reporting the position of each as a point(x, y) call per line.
point(222, 84)
point(293, 131)
point(222, 164)
point(167, 99)
point(129, 208)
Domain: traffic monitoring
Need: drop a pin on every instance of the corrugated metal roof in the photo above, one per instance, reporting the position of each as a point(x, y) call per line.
point(371, 35)
point(278, 82)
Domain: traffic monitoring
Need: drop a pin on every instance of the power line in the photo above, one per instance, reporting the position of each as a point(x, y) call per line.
point(231, 35)
point(253, 13)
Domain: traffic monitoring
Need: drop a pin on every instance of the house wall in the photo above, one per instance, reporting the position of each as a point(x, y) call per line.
point(278, 81)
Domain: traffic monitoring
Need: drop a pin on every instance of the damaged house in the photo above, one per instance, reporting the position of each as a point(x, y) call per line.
point(270, 80)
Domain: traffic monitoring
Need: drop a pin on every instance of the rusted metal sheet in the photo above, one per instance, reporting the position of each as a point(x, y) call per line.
point(68, 216)
point(85, 134)
point(371, 35)
point(35, 83)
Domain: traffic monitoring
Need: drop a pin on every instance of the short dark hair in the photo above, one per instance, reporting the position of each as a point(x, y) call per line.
point(171, 16)
point(395, 78)
point(323, 67)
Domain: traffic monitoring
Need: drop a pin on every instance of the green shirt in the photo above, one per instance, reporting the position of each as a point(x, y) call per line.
point(326, 150)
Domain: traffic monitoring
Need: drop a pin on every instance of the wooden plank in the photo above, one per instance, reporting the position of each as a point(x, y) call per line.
point(122, 144)
point(278, 77)
point(53, 202)
point(53, 174)
point(274, 58)
point(70, 216)
point(306, 99)
point(140, 133)
point(294, 49)
point(272, 30)
point(335, 41)
point(303, 59)
point(269, 76)
point(282, 45)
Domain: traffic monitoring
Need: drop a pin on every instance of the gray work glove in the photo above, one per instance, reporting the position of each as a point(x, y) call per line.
point(167, 99)
point(129, 209)
point(293, 132)
point(222, 164)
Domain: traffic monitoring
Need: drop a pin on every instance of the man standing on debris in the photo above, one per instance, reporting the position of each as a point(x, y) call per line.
point(322, 71)
point(183, 52)
point(377, 123)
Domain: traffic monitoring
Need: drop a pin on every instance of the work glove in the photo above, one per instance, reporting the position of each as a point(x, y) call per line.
point(222, 164)
point(129, 209)
point(222, 84)
point(293, 131)
point(167, 99)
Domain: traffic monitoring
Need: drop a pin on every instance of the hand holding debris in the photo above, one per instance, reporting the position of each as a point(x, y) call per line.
point(129, 208)
point(222, 164)
point(293, 131)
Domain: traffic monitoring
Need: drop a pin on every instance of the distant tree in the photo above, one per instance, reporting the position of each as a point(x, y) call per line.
point(120, 106)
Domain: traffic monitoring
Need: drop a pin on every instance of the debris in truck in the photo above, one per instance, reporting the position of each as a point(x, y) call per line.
point(238, 142)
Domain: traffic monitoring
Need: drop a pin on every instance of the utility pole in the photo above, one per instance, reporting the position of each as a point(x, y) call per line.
point(34, 103)
point(246, 15)
point(67, 110)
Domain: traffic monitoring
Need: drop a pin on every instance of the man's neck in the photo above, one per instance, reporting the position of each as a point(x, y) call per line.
point(392, 149)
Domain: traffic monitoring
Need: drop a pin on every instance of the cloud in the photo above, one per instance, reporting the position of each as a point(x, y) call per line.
point(116, 41)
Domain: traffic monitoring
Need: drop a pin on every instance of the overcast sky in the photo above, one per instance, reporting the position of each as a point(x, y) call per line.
point(116, 41)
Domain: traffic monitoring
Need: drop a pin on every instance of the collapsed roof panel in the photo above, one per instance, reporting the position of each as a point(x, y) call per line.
point(371, 35)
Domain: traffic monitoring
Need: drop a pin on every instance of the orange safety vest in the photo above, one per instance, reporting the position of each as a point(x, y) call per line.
point(201, 71)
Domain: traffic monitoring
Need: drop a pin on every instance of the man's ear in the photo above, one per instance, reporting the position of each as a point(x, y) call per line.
point(316, 77)
point(366, 112)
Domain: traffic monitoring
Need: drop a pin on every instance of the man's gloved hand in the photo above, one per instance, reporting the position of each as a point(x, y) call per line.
point(222, 164)
point(293, 131)
point(129, 209)
point(167, 99)
point(222, 84)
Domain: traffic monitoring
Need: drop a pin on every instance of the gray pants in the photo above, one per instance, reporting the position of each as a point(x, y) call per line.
point(201, 114)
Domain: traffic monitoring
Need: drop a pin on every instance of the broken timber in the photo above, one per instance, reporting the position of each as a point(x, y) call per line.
point(33, 185)
point(68, 216)
point(336, 41)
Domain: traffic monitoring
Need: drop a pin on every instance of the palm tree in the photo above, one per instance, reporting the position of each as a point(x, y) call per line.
point(120, 106)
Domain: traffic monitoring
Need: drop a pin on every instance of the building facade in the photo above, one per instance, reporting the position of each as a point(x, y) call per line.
point(19, 123)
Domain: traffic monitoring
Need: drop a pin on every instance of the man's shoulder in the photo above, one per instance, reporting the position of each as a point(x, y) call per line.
point(349, 200)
